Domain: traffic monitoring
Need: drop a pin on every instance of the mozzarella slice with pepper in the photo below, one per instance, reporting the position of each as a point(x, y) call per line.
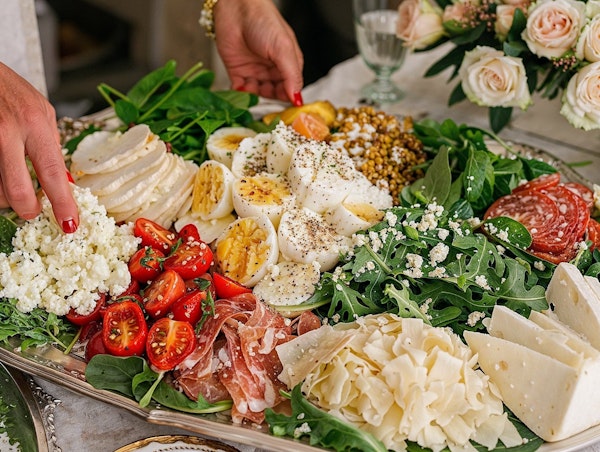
point(246, 249)
point(304, 236)
point(251, 157)
point(320, 176)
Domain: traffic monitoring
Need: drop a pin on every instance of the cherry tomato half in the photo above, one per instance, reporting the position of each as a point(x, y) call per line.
point(124, 330)
point(227, 287)
point(189, 233)
point(154, 235)
point(190, 259)
point(189, 307)
point(169, 342)
point(202, 282)
point(162, 292)
point(146, 264)
point(83, 319)
point(95, 346)
point(133, 288)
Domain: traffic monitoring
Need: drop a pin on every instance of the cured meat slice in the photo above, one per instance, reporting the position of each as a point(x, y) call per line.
point(539, 183)
point(593, 233)
point(536, 211)
point(585, 192)
point(573, 209)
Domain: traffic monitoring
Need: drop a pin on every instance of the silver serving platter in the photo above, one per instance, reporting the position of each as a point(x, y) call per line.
point(68, 371)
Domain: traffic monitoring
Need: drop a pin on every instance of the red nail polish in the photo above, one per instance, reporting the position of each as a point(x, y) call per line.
point(69, 226)
point(298, 99)
point(70, 177)
point(239, 88)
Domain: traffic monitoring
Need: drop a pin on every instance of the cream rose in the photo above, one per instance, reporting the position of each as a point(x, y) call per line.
point(553, 26)
point(419, 23)
point(581, 98)
point(588, 46)
point(490, 78)
point(504, 20)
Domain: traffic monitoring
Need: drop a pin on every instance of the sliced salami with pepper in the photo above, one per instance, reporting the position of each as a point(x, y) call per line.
point(534, 210)
point(586, 193)
point(539, 183)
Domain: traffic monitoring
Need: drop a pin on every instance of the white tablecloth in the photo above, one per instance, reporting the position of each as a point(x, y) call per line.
point(84, 424)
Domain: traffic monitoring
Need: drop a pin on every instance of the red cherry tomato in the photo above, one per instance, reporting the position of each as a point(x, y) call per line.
point(189, 233)
point(146, 264)
point(124, 330)
point(83, 319)
point(202, 282)
point(190, 259)
point(227, 287)
point(154, 235)
point(95, 346)
point(169, 342)
point(162, 292)
point(189, 307)
point(134, 287)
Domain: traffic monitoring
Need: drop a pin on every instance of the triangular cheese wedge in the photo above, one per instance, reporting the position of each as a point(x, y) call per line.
point(554, 400)
point(574, 302)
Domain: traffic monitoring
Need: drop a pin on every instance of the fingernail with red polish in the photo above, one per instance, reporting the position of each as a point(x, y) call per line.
point(239, 88)
point(69, 226)
point(298, 99)
point(70, 177)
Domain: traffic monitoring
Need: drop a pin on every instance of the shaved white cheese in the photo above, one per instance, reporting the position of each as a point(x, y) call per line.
point(400, 380)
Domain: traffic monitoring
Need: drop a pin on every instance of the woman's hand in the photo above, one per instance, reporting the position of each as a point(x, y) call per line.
point(28, 128)
point(259, 49)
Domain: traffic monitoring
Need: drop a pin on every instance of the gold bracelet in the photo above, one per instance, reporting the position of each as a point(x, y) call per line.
point(207, 19)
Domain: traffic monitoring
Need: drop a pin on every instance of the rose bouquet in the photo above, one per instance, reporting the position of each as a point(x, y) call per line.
point(506, 50)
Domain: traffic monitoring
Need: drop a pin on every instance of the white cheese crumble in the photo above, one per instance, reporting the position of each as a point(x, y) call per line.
point(57, 271)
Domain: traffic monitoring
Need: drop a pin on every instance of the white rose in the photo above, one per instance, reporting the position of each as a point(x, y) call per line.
point(419, 23)
point(588, 46)
point(504, 19)
point(581, 98)
point(490, 78)
point(553, 26)
point(592, 8)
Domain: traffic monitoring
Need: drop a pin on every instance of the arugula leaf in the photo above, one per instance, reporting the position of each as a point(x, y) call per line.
point(8, 228)
point(322, 428)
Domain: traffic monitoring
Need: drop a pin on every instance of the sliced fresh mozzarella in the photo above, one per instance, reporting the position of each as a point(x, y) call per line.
point(105, 151)
point(224, 142)
point(105, 183)
point(320, 176)
point(284, 141)
point(304, 236)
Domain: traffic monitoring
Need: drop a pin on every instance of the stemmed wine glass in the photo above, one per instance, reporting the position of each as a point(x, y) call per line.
point(375, 28)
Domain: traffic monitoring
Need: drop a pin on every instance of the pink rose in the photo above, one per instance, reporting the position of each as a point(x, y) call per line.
point(504, 20)
point(553, 26)
point(491, 79)
point(419, 23)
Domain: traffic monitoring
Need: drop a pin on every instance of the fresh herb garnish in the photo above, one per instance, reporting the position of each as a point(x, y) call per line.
point(34, 328)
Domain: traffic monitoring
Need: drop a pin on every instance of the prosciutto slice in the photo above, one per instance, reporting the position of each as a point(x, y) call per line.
point(236, 358)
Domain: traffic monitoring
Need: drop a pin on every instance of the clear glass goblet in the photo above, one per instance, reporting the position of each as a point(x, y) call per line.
point(383, 52)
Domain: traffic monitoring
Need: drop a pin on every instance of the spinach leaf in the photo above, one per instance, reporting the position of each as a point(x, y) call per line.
point(8, 228)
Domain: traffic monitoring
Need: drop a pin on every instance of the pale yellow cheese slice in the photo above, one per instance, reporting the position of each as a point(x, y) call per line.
point(574, 302)
point(554, 400)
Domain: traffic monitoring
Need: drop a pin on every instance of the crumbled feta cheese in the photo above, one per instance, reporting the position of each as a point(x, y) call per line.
point(57, 271)
point(438, 253)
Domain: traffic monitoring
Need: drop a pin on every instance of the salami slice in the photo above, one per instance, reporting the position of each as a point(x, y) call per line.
point(539, 183)
point(593, 233)
point(573, 209)
point(581, 190)
point(536, 211)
